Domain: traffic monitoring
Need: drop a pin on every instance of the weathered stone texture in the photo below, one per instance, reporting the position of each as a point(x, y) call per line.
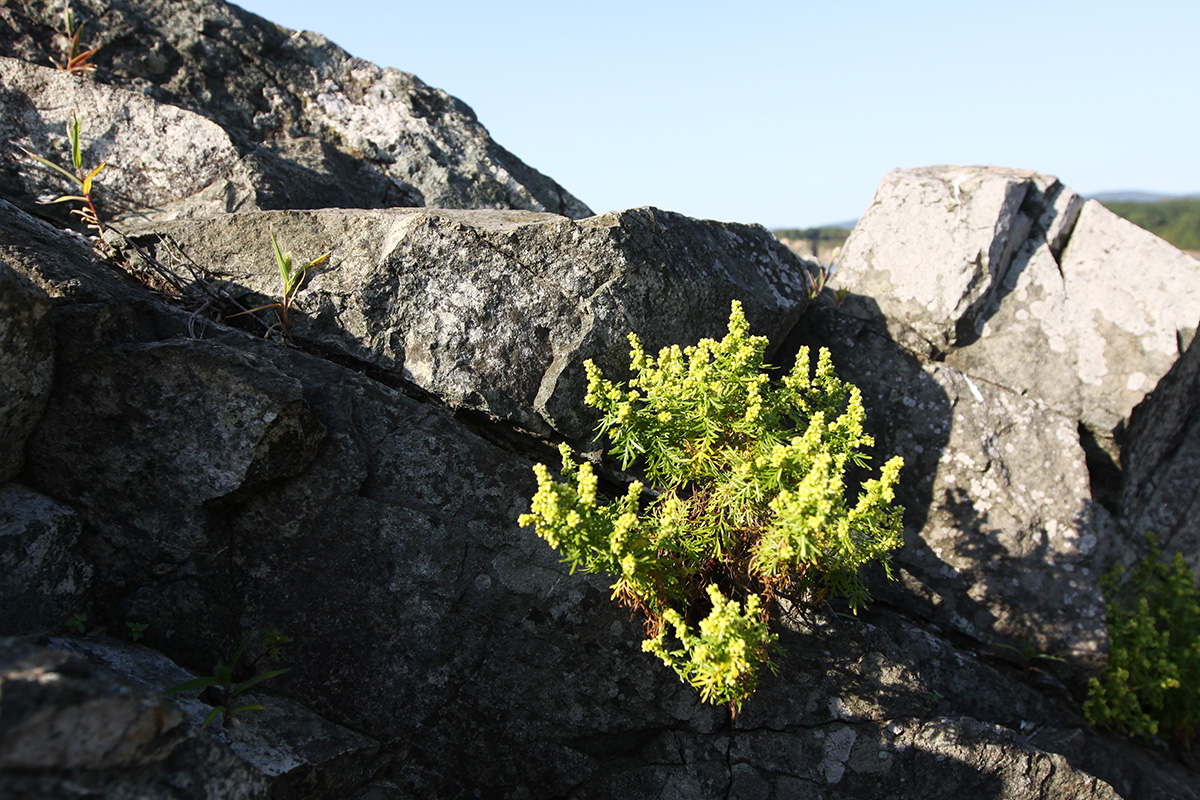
point(1018, 281)
point(26, 364)
point(1161, 461)
point(998, 525)
point(375, 136)
point(44, 576)
point(496, 311)
point(426, 619)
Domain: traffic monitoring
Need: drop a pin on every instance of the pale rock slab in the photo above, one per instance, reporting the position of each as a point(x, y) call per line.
point(1015, 279)
point(318, 127)
point(161, 161)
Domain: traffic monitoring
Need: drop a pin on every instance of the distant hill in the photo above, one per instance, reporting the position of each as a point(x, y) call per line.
point(819, 243)
point(1176, 219)
point(1137, 196)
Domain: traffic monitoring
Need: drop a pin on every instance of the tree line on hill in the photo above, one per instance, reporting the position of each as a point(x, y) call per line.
point(1177, 220)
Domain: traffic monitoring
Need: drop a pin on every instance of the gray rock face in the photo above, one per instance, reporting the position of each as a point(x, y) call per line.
point(162, 161)
point(298, 753)
point(359, 488)
point(1021, 283)
point(89, 714)
point(67, 730)
point(26, 365)
point(1161, 460)
point(107, 455)
point(496, 311)
point(44, 578)
point(296, 97)
point(424, 618)
point(999, 535)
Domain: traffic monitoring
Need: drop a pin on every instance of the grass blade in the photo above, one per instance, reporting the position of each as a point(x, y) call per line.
point(257, 679)
point(87, 181)
point(51, 165)
point(196, 683)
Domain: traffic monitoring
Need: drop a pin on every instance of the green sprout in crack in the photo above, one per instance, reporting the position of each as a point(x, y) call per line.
point(76, 60)
point(291, 279)
point(223, 680)
point(84, 181)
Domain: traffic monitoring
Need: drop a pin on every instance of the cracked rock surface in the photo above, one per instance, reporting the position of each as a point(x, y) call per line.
point(424, 619)
point(1000, 530)
point(1019, 281)
point(296, 107)
point(496, 311)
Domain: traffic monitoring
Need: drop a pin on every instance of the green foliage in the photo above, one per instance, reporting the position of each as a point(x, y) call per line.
point(825, 233)
point(1152, 681)
point(223, 679)
point(1177, 221)
point(76, 60)
point(136, 629)
point(84, 181)
point(273, 641)
point(77, 623)
point(290, 279)
point(749, 501)
point(819, 281)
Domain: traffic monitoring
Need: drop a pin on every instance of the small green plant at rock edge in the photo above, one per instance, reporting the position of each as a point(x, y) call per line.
point(84, 181)
point(222, 679)
point(290, 280)
point(749, 501)
point(1151, 685)
point(76, 60)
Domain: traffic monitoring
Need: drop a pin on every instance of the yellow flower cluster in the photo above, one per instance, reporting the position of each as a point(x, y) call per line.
point(750, 480)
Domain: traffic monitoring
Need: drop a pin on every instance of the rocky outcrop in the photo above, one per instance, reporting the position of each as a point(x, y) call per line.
point(999, 529)
point(357, 483)
point(1015, 279)
point(1161, 460)
point(161, 161)
point(497, 311)
point(426, 619)
point(302, 113)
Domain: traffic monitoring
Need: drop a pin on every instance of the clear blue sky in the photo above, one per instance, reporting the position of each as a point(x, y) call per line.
point(788, 114)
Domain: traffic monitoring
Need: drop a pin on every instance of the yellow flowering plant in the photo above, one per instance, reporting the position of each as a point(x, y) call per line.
point(749, 501)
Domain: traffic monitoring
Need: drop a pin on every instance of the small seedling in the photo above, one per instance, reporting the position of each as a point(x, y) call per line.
point(290, 280)
point(76, 60)
point(77, 623)
point(222, 679)
point(817, 283)
point(273, 641)
point(88, 212)
point(136, 629)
